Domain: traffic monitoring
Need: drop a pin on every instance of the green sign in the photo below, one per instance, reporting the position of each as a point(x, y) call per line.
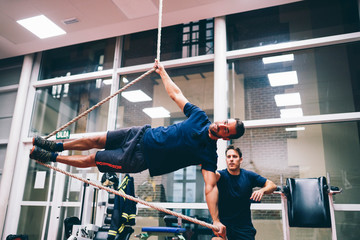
point(63, 134)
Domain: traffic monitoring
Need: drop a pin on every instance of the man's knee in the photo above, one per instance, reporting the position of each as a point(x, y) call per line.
point(90, 160)
point(98, 141)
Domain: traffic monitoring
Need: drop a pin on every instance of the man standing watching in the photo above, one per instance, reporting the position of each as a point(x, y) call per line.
point(235, 194)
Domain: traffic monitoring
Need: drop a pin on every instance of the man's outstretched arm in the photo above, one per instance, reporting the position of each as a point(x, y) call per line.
point(212, 196)
point(172, 89)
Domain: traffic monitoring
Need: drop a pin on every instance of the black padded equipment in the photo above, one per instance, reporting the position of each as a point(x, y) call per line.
point(110, 209)
point(69, 223)
point(308, 202)
point(17, 237)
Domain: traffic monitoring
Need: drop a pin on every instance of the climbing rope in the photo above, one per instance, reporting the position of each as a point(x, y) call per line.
point(194, 220)
point(159, 30)
point(138, 200)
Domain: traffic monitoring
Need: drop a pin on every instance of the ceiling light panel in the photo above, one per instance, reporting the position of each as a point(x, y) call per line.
point(41, 26)
point(136, 96)
point(283, 78)
point(277, 59)
point(157, 112)
point(294, 129)
point(287, 99)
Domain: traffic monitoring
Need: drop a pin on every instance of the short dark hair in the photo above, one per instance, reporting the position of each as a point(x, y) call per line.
point(233, 148)
point(240, 129)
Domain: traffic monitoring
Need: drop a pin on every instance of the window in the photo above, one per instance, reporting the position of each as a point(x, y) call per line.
point(316, 81)
point(198, 38)
point(77, 59)
point(56, 105)
point(291, 22)
point(179, 41)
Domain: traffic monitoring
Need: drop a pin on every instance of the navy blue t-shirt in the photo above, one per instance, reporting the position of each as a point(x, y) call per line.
point(234, 197)
point(167, 149)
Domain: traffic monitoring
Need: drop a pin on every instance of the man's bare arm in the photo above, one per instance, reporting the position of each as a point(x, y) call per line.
point(171, 88)
point(212, 196)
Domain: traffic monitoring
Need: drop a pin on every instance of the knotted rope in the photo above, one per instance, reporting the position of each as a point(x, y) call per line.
point(138, 200)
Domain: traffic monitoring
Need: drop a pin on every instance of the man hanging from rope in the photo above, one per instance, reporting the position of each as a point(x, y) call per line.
point(161, 150)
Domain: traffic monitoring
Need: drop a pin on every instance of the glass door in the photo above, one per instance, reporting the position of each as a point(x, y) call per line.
point(49, 198)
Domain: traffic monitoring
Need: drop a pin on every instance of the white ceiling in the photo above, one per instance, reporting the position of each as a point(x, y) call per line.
point(100, 19)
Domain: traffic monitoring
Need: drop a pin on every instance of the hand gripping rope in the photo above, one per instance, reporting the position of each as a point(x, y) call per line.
point(194, 220)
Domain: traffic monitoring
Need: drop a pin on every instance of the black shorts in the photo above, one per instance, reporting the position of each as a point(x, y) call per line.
point(122, 151)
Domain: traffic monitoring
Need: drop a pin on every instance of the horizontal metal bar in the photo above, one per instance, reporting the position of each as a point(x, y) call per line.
point(257, 206)
point(9, 88)
point(305, 120)
point(73, 78)
point(292, 46)
point(347, 207)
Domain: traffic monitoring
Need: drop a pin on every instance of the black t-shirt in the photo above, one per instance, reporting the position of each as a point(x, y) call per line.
point(167, 149)
point(234, 197)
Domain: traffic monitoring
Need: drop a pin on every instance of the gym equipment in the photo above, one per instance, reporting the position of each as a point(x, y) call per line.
point(174, 232)
point(308, 202)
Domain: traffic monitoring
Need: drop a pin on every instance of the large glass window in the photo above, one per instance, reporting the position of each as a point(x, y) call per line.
point(8, 100)
point(302, 83)
point(306, 151)
point(77, 59)
point(185, 40)
point(37, 182)
point(198, 38)
point(58, 104)
point(292, 22)
point(10, 70)
point(32, 230)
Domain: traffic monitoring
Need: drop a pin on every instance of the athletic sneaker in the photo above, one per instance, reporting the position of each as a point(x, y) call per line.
point(45, 144)
point(41, 155)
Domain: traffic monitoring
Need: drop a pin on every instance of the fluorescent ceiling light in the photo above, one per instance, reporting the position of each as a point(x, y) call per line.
point(287, 99)
point(157, 112)
point(41, 26)
point(283, 78)
point(291, 113)
point(107, 81)
point(295, 129)
point(125, 80)
point(280, 58)
point(136, 96)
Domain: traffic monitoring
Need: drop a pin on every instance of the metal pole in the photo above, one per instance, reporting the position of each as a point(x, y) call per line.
point(220, 83)
point(14, 139)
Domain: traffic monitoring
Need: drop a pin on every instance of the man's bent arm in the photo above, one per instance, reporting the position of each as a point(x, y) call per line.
point(172, 89)
point(212, 196)
point(268, 188)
